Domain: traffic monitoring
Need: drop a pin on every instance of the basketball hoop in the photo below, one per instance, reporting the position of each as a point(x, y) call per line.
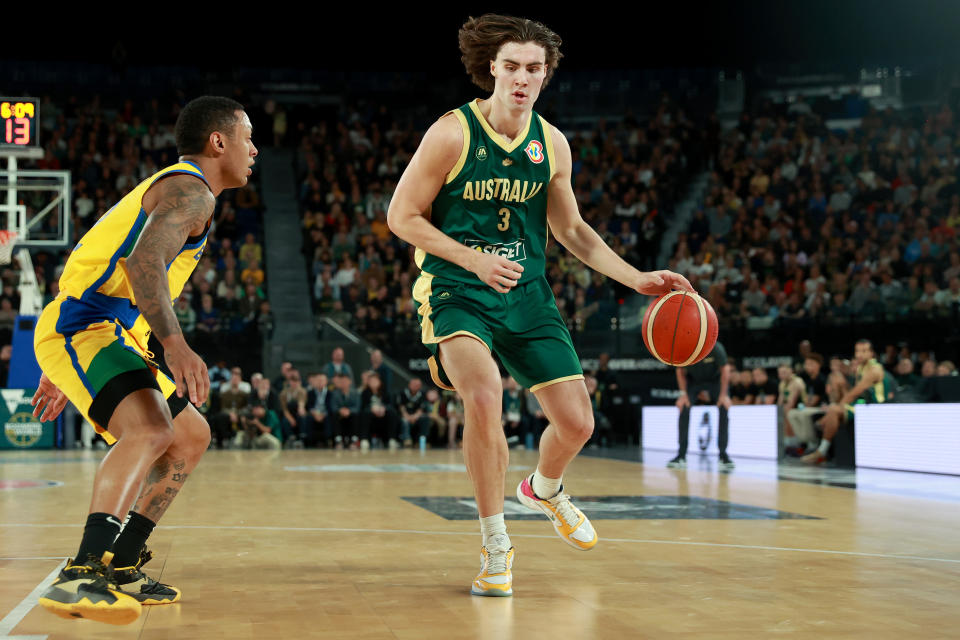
point(7, 240)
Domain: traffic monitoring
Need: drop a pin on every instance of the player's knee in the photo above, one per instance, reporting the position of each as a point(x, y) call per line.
point(578, 428)
point(194, 438)
point(155, 436)
point(483, 402)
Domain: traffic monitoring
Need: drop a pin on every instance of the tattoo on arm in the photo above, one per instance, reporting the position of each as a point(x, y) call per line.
point(185, 203)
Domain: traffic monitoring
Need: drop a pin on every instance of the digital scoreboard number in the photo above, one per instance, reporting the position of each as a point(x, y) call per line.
point(19, 123)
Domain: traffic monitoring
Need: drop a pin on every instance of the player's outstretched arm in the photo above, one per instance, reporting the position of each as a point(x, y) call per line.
point(183, 205)
point(418, 187)
point(581, 240)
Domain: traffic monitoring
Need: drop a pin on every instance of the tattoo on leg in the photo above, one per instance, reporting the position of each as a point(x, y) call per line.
point(158, 471)
point(158, 488)
point(178, 476)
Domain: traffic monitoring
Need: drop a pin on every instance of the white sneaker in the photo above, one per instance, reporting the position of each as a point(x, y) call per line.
point(570, 523)
point(364, 445)
point(496, 561)
point(393, 445)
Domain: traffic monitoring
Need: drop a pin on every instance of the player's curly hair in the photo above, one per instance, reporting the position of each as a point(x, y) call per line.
point(481, 39)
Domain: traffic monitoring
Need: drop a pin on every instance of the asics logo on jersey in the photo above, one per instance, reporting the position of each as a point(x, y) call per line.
point(534, 151)
point(510, 250)
point(198, 255)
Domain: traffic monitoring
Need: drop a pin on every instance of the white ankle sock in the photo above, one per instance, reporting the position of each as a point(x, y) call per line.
point(491, 526)
point(824, 446)
point(791, 441)
point(545, 487)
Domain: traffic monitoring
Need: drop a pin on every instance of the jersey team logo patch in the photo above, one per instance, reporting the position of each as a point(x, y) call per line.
point(481, 153)
point(534, 151)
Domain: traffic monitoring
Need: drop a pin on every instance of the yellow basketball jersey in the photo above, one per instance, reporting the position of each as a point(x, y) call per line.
point(95, 280)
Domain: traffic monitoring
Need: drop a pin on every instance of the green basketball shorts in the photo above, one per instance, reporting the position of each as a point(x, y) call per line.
point(523, 327)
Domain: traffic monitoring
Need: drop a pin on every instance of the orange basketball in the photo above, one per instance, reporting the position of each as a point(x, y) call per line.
point(680, 328)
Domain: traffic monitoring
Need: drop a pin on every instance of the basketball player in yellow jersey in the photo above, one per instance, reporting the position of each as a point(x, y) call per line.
point(91, 342)
point(476, 200)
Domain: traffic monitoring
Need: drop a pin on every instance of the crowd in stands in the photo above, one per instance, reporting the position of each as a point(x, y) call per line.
point(803, 223)
point(109, 148)
point(625, 177)
point(337, 409)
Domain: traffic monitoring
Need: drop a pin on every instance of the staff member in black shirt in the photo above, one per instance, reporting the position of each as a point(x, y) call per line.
point(706, 382)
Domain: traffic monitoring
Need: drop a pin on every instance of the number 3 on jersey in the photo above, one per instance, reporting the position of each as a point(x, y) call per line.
point(504, 219)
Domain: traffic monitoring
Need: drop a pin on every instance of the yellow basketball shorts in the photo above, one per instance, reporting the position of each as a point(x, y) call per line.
point(96, 362)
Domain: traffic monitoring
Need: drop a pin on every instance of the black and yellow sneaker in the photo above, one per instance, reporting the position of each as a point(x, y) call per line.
point(89, 591)
point(139, 585)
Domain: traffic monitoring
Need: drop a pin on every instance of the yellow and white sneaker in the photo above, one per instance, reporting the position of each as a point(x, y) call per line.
point(496, 560)
point(569, 522)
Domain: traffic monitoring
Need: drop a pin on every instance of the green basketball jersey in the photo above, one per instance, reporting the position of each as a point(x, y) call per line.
point(878, 392)
point(495, 198)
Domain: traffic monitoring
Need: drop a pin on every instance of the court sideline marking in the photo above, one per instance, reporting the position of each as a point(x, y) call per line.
point(20, 611)
point(722, 545)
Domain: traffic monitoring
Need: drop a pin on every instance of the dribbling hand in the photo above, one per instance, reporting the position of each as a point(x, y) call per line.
point(48, 401)
point(188, 369)
point(655, 283)
point(497, 271)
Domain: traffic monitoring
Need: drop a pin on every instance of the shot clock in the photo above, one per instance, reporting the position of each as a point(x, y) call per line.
point(19, 123)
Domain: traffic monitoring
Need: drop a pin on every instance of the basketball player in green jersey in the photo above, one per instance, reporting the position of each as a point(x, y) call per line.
point(872, 386)
point(475, 200)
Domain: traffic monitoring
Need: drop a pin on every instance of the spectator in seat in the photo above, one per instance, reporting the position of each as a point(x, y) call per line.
point(318, 404)
point(411, 407)
point(250, 251)
point(337, 366)
point(281, 381)
point(252, 274)
point(377, 366)
point(763, 389)
point(293, 399)
point(740, 389)
point(436, 412)
point(379, 417)
point(234, 395)
point(946, 368)
point(265, 395)
point(345, 411)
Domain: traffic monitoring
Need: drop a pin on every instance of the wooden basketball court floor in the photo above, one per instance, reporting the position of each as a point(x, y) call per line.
point(323, 544)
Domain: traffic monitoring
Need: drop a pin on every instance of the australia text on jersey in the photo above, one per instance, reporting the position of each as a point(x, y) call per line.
point(503, 189)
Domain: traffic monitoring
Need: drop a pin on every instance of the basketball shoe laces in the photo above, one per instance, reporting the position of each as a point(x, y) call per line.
point(565, 508)
point(497, 558)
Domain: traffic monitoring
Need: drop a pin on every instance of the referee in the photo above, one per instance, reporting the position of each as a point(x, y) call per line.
point(706, 382)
